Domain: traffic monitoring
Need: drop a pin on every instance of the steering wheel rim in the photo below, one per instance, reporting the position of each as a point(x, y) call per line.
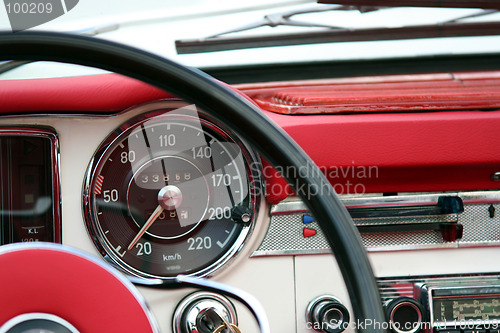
point(237, 113)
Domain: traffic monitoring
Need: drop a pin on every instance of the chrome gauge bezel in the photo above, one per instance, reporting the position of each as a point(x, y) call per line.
point(145, 113)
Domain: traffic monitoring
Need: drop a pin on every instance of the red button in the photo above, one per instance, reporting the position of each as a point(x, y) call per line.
point(308, 232)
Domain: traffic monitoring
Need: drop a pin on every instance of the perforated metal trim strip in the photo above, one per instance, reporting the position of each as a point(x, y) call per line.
point(285, 234)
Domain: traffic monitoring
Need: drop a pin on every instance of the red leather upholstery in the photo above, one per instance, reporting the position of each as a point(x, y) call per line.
point(443, 151)
point(85, 94)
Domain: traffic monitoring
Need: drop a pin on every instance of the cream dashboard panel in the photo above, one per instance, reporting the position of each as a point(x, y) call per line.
point(284, 284)
point(270, 280)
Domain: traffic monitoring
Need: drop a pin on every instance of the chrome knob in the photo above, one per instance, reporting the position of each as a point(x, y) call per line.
point(326, 314)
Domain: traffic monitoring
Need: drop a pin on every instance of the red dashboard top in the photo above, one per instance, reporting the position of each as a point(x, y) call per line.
point(372, 151)
point(381, 94)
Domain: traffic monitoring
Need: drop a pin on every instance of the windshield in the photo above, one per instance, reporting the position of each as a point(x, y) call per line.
point(163, 27)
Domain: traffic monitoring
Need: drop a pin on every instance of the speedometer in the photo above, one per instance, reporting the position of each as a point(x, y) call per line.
point(169, 193)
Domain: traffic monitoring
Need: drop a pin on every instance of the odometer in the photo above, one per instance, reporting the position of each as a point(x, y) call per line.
point(171, 193)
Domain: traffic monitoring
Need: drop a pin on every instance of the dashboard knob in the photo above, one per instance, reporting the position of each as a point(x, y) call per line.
point(326, 314)
point(405, 315)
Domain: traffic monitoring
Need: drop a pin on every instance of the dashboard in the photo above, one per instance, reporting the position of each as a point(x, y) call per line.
point(137, 178)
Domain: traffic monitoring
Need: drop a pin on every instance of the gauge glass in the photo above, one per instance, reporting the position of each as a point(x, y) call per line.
point(171, 193)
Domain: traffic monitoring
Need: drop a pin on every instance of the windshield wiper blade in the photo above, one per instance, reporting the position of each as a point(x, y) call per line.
point(481, 13)
point(453, 29)
point(285, 19)
point(13, 64)
point(7, 66)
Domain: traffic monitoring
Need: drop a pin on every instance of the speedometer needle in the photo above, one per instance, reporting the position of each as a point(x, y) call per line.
point(146, 226)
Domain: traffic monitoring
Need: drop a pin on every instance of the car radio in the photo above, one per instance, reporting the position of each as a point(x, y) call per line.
point(442, 304)
point(464, 308)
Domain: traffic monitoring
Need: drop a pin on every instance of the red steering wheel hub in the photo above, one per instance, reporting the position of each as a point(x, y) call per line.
point(59, 281)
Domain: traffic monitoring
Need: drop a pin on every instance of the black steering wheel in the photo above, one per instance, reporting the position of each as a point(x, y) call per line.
point(237, 113)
